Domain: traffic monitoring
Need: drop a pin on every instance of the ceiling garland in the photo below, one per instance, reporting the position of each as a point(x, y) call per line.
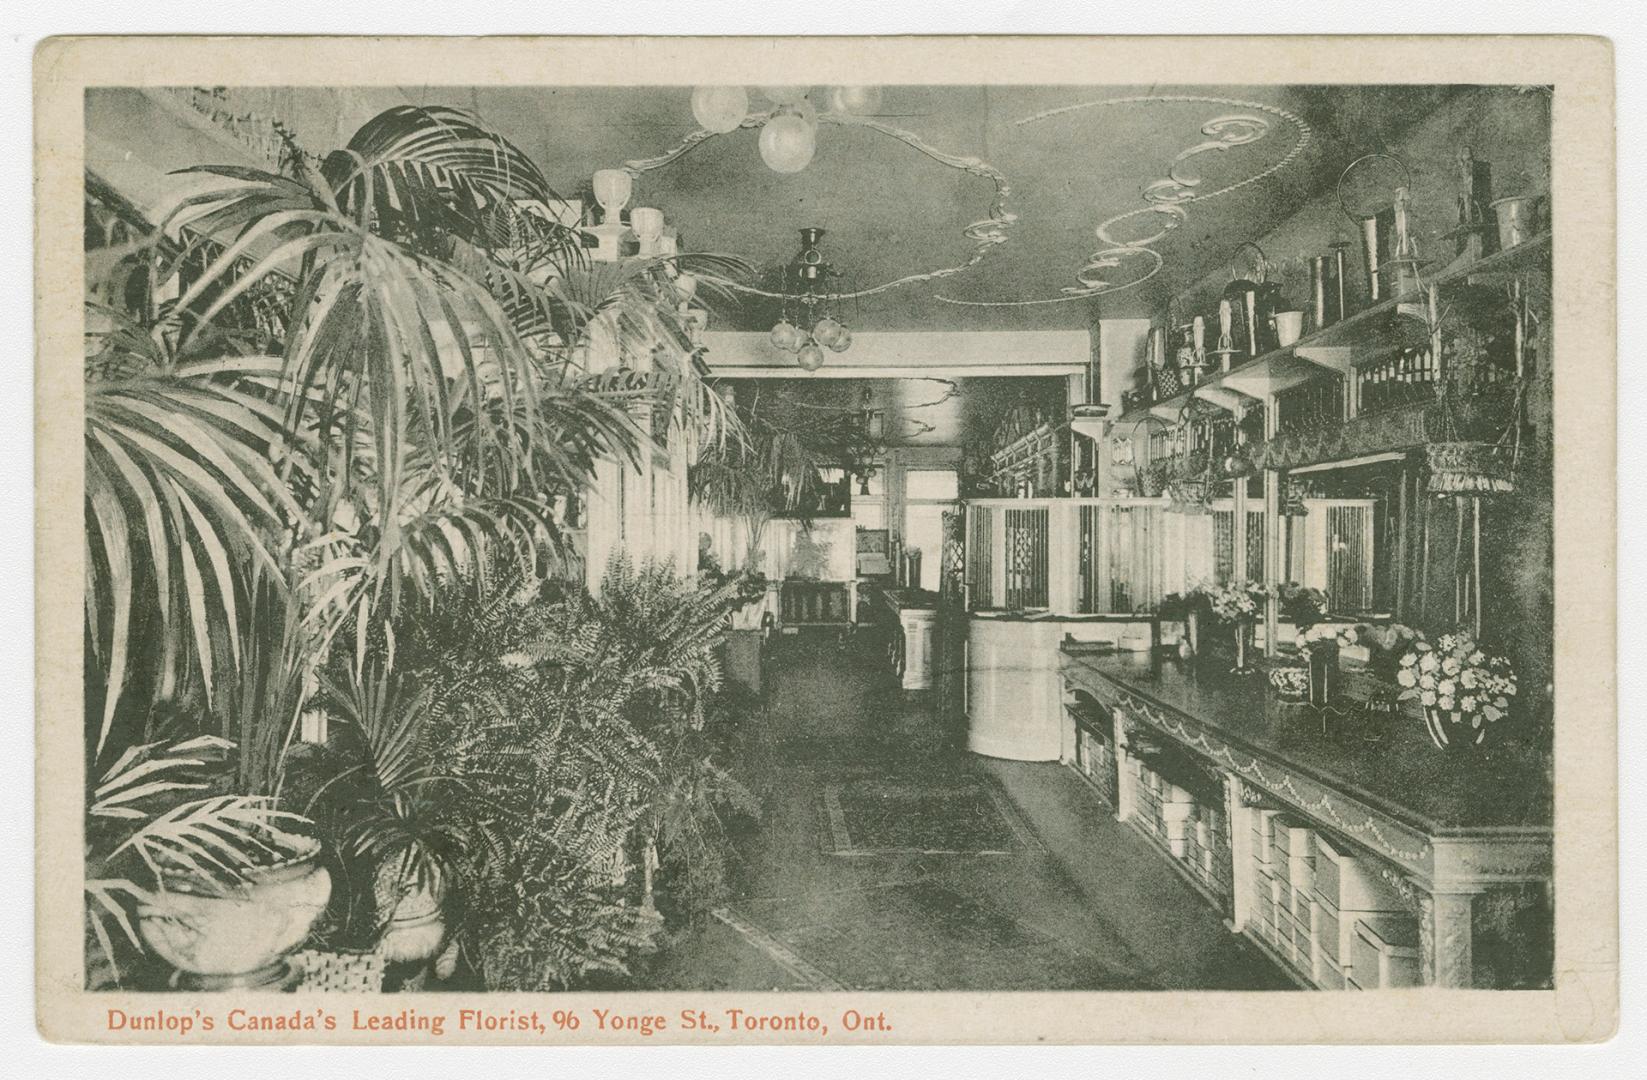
point(1165, 198)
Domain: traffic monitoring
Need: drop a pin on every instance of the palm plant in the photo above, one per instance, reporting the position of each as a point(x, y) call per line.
point(154, 818)
point(415, 822)
point(777, 466)
point(248, 501)
point(421, 413)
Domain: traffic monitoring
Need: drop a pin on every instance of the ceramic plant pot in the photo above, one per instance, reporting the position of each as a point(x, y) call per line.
point(417, 919)
point(237, 938)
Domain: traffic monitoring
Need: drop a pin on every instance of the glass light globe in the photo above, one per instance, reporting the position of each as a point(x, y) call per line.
point(787, 143)
point(785, 95)
point(858, 100)
point(810, 357)
point(647, 222)
point(720, 108)
point(787, 336)
point(612, 190)
point(842, 342)
point(827, 331)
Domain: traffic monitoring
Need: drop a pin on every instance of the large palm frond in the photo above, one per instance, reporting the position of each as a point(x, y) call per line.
point(379, 336)
point(183, 504)
point(442, 167)
point(143, 829)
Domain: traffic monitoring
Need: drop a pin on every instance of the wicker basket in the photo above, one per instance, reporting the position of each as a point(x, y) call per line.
point(1471, 468)
point(1152, 479)
point(1189, 496)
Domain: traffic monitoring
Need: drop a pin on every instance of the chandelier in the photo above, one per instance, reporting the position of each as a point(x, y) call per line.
point(789, 132)
point(810, 319)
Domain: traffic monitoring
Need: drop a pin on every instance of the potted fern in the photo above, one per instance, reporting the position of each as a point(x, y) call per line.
point(248, 495)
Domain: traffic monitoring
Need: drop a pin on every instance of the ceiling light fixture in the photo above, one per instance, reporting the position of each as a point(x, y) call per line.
point(855, 107)
point(811, 292)
point(788, 141)
point(720, 108)
point(789, 133)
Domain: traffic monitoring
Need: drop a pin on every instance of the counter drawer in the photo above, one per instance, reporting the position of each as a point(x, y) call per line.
point(1385, 953)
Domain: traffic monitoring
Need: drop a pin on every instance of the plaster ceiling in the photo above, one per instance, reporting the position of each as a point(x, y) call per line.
point(889, 211)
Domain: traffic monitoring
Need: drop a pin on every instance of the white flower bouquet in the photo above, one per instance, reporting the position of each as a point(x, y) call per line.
point(1463, 688)
point(1234, 601)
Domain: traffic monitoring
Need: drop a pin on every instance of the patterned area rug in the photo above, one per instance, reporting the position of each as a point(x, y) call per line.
point(966, 816)
point(923, 936)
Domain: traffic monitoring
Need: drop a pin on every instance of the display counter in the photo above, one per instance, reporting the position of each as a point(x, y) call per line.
point(1011, 676)
point(1360, 840)
point(912, 617)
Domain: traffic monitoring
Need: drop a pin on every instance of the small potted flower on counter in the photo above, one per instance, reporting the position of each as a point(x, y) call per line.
point(1236, 602)
point(1304, 606)
point(1462, 688)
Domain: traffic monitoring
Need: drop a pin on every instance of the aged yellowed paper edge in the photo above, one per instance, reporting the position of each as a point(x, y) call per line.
point(1584, 1004)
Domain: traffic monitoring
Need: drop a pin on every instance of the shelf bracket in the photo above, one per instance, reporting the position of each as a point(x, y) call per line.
point(1339, 359)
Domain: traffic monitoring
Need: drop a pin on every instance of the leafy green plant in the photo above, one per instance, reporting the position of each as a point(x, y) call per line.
point(263, 506)
point(154, 821)
point(585, 721)
point(395, 806)
point(418, 414)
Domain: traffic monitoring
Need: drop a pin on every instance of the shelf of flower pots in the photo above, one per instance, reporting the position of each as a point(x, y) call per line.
point(1389, 324)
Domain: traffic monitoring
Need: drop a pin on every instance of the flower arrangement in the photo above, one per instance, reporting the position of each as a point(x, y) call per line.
point(1457, 682)
point(1383, 644)
point(1235, 600)
point(1320, 635)
point(1303, 605)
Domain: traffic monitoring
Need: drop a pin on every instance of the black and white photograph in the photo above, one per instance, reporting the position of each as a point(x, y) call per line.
point(590, 539)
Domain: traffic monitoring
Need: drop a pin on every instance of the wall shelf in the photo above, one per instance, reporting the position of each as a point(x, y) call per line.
point(1370, 333)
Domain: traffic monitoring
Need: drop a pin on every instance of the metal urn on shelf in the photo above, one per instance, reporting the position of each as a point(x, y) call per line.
point(1378, 204)
point(1252, 305)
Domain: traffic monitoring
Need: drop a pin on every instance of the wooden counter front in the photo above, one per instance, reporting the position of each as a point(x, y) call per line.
point(1445, 827)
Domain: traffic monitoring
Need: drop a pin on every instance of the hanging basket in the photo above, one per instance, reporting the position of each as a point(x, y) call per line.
point(1188, 496)
point(1152, 479)
point(1471, 468)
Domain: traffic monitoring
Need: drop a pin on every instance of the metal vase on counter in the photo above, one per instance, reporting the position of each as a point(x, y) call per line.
point(1243, 647)
point(1252, 303)
point(1377, 244)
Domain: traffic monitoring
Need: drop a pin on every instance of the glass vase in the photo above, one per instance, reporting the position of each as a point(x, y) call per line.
point(1243, 647)
point(1451, 731)
point(1323, 673)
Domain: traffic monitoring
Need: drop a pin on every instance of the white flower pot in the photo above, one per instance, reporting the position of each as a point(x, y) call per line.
point(238, 938)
